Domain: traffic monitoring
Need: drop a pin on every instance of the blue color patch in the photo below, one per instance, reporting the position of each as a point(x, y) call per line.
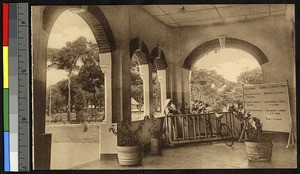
point(6, 152)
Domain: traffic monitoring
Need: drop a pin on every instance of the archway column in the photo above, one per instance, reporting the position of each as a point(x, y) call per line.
point(105, 65)
point(145, 75)
point(163, 87)
point(107, 142)
point(41, 140)
point(186, 87)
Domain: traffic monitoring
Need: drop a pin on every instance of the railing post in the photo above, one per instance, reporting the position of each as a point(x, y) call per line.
point(199, 130)
point(194, 126)
point(175, 127)
point(187, 125)
point(182, 128)
point(205, 126)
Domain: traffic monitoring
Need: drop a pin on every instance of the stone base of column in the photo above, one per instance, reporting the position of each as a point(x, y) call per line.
point(42, 152)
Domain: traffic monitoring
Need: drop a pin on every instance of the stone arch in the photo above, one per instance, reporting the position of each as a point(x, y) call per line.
point(43, 19)
point(138, 47)
point(92, 15)
point(158, 58)
point(211, 45)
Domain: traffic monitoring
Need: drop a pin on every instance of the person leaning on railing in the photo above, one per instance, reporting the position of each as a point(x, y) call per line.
point(169, 109)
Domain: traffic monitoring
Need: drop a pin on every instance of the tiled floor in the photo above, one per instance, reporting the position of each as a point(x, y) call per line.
point(209, 156)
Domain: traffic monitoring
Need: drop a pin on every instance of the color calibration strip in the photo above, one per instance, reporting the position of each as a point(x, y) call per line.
point(5, 16)
point(16, 87)
point(13, 85)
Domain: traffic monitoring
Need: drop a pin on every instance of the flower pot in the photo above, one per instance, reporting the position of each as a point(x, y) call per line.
point(259, 151)
point(130, 155)
point(155, 146)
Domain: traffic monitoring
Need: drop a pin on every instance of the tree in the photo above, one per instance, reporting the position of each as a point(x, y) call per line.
point(66, 59)
point(251, 77)
point(136, 81)
point(90, 75)
point(63, 88)
point(79, 102)
point(213, 89)
point(57, 100)
point(156, 90)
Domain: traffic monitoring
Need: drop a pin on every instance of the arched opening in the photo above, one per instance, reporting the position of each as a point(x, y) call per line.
point(75, 90)
point(93, 63)
point(140, 80)
point(159, 84)
point(217, 78)
point(156, 87)
point(212, 45)
point(137, 90)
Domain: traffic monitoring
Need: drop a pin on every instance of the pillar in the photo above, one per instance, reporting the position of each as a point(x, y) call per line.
point(144, 71)
point(41, 141)
point(105, 65)
point(186, 75)
point(161, 74)
point(107, 141)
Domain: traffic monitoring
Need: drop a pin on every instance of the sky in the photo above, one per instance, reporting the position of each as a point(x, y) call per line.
point(228, 62)
point(69, 26)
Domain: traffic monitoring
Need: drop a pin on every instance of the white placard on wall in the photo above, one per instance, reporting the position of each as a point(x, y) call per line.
point(270, 103)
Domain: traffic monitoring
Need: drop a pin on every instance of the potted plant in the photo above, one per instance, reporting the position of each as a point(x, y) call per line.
point(155, 137)
point(129, 149)
point(258, 147)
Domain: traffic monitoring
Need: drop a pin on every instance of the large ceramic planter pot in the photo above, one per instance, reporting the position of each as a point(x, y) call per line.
point(130, 155)
point(155, 146)
point(259, 151)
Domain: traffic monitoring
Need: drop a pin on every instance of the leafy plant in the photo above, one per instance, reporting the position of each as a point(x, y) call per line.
point(128, 136)
point(254, 133)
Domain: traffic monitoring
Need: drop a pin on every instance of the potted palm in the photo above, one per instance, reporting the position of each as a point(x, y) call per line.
point(258, 146)
point(155, 137)
point(129, 149)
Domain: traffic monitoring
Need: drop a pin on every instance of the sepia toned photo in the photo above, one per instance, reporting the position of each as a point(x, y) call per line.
point(137, 87)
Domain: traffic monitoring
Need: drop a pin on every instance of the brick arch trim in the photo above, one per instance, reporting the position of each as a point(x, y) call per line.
point(211, 45)
point(92, 15)
point(139, 48)
point(158, 58)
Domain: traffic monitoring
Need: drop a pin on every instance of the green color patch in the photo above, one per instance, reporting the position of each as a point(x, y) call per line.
point(6, 109)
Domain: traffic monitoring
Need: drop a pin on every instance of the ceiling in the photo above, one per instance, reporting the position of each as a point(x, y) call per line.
point(206, 14)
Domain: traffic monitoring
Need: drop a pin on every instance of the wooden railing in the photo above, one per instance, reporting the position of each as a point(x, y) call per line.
point(185, 128)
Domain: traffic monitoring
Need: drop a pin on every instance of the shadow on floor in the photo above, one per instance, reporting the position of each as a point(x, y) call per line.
point(209, 156)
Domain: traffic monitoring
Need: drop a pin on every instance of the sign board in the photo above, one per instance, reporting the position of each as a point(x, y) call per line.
point(270, 103)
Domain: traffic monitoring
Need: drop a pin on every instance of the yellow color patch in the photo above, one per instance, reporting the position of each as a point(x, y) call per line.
point(5, 66)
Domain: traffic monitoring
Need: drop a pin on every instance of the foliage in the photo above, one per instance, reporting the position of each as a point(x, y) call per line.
point(136, 81)
point(251, 77)
point(156, 102)
point(213, 89)
point(67, 58)
point(79, 103)
point(58, 101)
point(254, 132)
point(63, 88)
point(90, 75)
point(128, 136)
